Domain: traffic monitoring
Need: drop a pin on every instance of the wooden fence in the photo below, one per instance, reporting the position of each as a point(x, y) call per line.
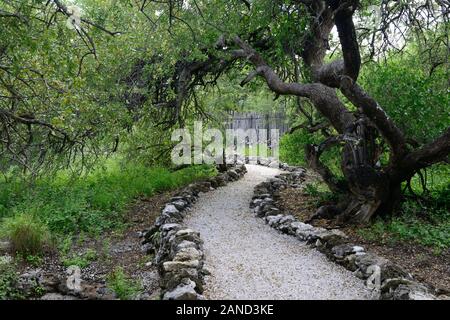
point(255, 120)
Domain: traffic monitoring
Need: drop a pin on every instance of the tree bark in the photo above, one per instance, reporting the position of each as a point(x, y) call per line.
point(371, 190)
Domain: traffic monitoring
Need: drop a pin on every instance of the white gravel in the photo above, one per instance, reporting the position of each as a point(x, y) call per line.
point(250, 260)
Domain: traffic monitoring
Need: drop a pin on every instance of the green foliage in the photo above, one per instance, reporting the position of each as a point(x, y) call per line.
point(320, 193)
point(92, 203)
point(124, 287)
point(32, 260)
point(292, 147)
point(43, 71)
point(292, 150)
point(417, 102)
point(81, 260)
point(418, 223)
point(27, 234)
point(8, 281)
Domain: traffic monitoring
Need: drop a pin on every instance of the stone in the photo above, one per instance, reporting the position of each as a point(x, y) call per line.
point(179, 204)
point(274, 164)
point(187, 232)
point(343, 250)
point(358, 249)
point(185, 197)
point(170, 209)
point(269, 210)
point(49, 282)
point(287, 219)
point(30, 280)
point(303, 230)
point(255, 202)
point(182, 292)
point(273, 220)
point(262, 196)
point(170, 226)
point(171, 280)
point(172, 266)
point(213, 183)
point(186, 244)
point(363, 262)
point(338, 233)
point(349, 261)
point(188, 254)
point(233, 174)
point(57, 296)
point(264, 211)
point(169, 218)
point(284, 225)
point(405, 289)
point(220, 181)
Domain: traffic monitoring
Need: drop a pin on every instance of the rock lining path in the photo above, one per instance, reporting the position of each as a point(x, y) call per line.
point(249, 260)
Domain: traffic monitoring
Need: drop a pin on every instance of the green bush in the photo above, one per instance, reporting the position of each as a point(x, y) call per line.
point(412, 98)
point(124, 287)
point(292, 147)
point(292, 150)
point(95, 202)
point(27, 234)
point(418, 223)
point(81, 260)
point(8, 281)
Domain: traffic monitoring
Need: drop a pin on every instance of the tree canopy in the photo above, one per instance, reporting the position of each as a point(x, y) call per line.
point(79, 79)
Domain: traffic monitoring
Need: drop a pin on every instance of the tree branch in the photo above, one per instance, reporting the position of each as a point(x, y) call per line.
point(431, 153)
point(324, 98)
point(393, 135)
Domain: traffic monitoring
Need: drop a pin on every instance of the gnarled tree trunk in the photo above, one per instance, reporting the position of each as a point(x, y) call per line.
point(370, 188)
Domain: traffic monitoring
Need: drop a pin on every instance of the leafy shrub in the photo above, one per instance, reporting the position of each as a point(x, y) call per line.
point(8, 281)
point(292, 147)
point(95, 202)
point(427, 226)
point(292, 150)
point(81, 260)
point(27, 234)
point(124, 287)
point(412, 98)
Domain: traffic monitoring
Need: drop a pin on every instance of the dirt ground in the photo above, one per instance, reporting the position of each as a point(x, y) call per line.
point(421, 261)
point(121, 248)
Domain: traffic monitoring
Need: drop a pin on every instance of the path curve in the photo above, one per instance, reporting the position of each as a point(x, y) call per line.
point(249, 260)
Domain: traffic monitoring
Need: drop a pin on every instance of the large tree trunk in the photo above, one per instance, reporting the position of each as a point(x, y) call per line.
point(363, 204)
point(370, 188)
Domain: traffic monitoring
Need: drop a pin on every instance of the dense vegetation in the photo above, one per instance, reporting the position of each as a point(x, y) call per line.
point(90, 91)
point(64, 205)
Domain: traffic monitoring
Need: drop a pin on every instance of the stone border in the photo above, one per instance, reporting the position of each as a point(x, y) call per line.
point(179, 254)
point(387, 280)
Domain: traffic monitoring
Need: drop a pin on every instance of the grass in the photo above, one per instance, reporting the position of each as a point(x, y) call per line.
point(27, 234)
point(124, 287)
point(8, 281)
point(81, 260)
point(417, 223)
point(91, 204)
point(320, 193)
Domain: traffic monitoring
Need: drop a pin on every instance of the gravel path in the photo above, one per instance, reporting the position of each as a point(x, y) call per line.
point(250, 260)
